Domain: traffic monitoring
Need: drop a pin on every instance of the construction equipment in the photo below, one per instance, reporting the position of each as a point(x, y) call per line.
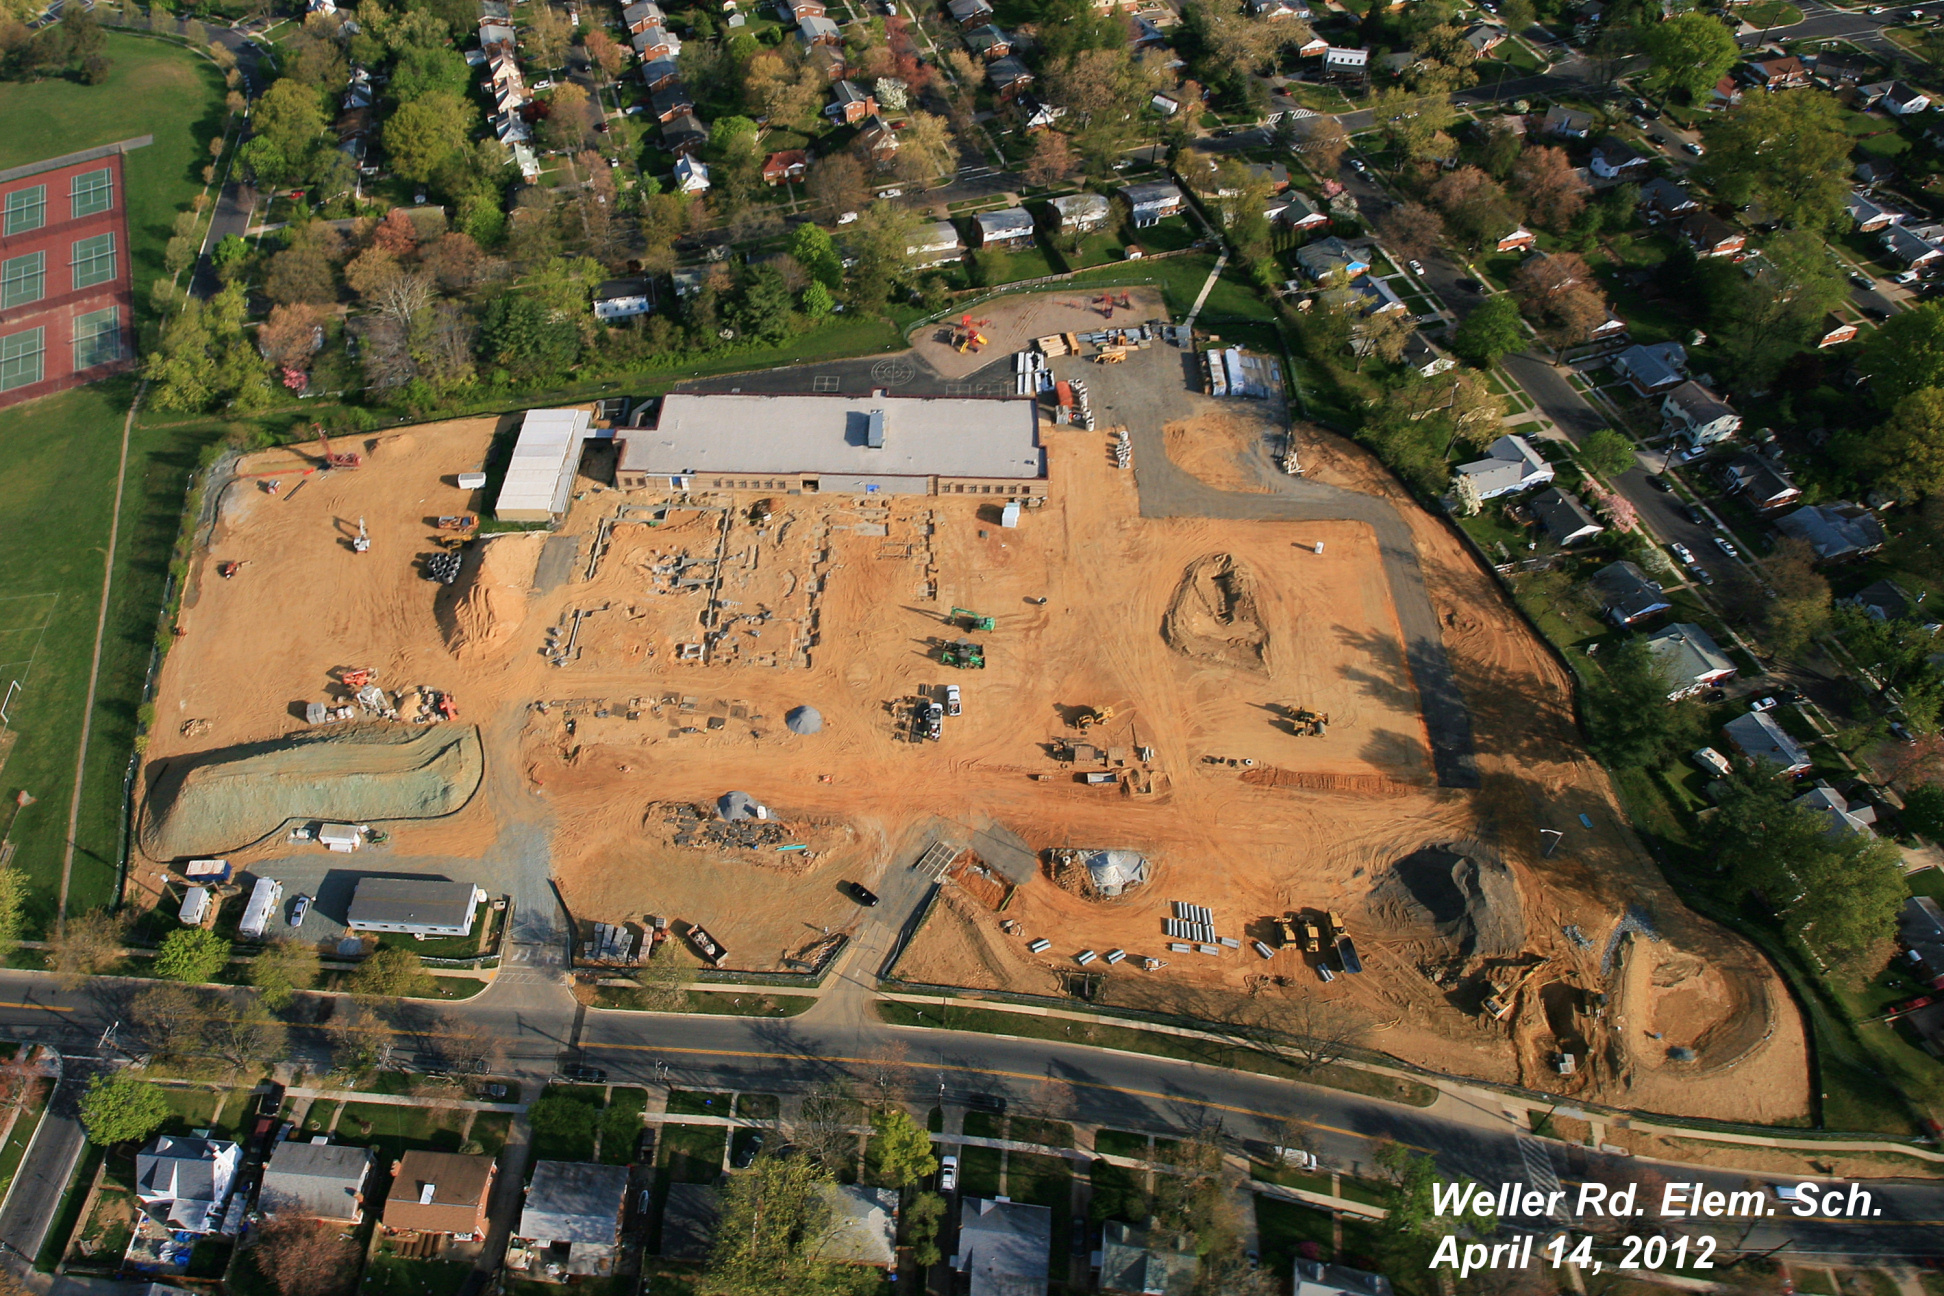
point(1286, 929)
point(1335, 919)
point(1091, 716)
point(362, 544)
point(1498, 1004)
point(962, 654)
point(457, 522)
point(1312, 938)
point(334, 458)
point(1307, 723)
point(228, 569)
point(1111, 355)
point(357, 677)
point(971, 620)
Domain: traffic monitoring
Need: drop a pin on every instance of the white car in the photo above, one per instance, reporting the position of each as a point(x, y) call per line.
point(1721, 543)
point(891, 193)
point(1417, 267)
point(847, 218)
point(300, 911)
point(1294, 1156)
point(1683, 553)
point(947, 1173)
point(952, 700)
point(1762, 704)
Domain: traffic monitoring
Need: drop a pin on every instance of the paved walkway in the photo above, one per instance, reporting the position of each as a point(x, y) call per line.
point(400, 1100)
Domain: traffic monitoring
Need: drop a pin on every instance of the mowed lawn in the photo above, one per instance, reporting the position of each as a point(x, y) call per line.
point(58, 458)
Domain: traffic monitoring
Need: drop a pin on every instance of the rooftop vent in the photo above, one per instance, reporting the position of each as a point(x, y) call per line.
point(874, 430)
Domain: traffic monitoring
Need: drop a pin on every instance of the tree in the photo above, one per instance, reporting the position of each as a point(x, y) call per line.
point(303, 271)
point(523, 337)
point(605, 52)
point(822, 1130)
point(1791, 608)
point(303, 1257)
point(1411, 1223)
point(361, 1039)
point(1764, 318)
point(900, 1148)
point(1321, 142)
point(291, 116)
point(1607, 452)
point(816, 252)
point(1789, 151)
point(1906, 454)
point(925, 150)
point(1690, 52)
point(119, 1108)
point(245, 1034)
point(556, 1116)
point(1052, 160)
point(1415, 123)
point(1410, 229)
point(1557, 292)
point(1489, 332)
point(569, 124)
point(420, 70)
point(1905, 354)
point(1475, 206)
point(547, 35)
point(391, 970)
point(1552, 189)
point(282, 968)
point(1923, 811)
point(13, 902)
point(422, 136)
point(837, 184)
point(193, 954)
point(774, 1220)
point(1631, 722)
point(168, 1017)
point(85, 946)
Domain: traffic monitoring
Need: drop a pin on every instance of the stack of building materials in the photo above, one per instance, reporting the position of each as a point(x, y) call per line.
point(1191, 922)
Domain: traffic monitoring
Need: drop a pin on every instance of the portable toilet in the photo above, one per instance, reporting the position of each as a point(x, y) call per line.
point(195, 906)
point(1009, 516)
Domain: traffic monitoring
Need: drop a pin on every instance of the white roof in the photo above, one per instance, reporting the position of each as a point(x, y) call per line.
point(541, 475)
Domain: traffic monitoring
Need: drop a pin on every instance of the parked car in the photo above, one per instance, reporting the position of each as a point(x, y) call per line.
point(1683, 553)
point(1692, 514)
point(863, 895)
point(947, 1173)
point(300, 911)
point(1696, 149)
point(1658, 482)
point(1417, 267)
point(1471, 285)
point(1298, 1157)
point(581, 1073)
point(747, 1152)
point(1721, 543)
point(1861, 280)
point(1762, 704)
point(953, 703)
point(493, 1091)
point(1701, 574)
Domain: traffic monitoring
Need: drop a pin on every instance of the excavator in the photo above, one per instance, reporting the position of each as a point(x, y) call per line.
point(1091, 716)
point(335, 458)
point(1498, 1004)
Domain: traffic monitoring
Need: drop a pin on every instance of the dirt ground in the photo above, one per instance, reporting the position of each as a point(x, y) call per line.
point(1011, 324)
point(620, 686)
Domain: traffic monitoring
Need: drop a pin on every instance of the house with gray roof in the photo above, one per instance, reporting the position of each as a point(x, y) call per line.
point(1008, 76)
point(1424, 357)
point(1615, 159)
point(1627, 594)
point(1080, 213)
point(1569, 122)
point(1331, 256)
point(1314, 1278)
point(1836, 531)
point(1759, 481)
point(319, 1179)
point(969, 13)
point(1882, 600)
point(1652, 368)
point(1565, 519)
point(657, 73)
point(1004, 1247)
point(1510, 464)
point(1756, 735)
point(1909, 247)
point(1689, 659)
point(815, 29)
point(1151, 203)
point(1297, 210)
point(1869, 214)
point(1698, 416)
point(1012, 227)
point(1146, 1261)
point(185, 1182)
point(934, 243)
point(1663, 198)
point(571, 1223)
point(1846, 818)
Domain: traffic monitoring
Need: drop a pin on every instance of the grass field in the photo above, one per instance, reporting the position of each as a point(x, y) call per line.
point(57, 481)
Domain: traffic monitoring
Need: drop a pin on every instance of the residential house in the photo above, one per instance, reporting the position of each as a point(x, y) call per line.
point(1004, 1247)
point(440, 1192)
point(1776, 74)
point(688, 280)
point(1910, 248)
point(1518, 240)
point(1008, 76)
point(498, 38)
point(937, 243)
point(1346, 65)
point(1652, 368)
point(801, 9)
point(818, 30)
point(1371, 296)
point(656, 43)
point(1569, 123)
point(570, 1225)
point(1882, 600)
point(1664, 199)
point(1081, 213)
point(691, 176)
point(657, 73)
point(1331, 256)
point(1835, 331)
point(670, 102)
point(1615, 159)
point(877, 141)
point(685, 134)
point(1314, 47)
point(1151, 203)
point(861, 1226)
point(690, 1214)
point(1314, 1278)
point(184, 1183)
point(988, 42)
point(1711, 236)
point(1274, 172)
point(1294, 209)
point(1035, 114)
point(1904, 100)
point(1699, 416)
point(1837, 531)
point(318, 1180)
point(495, 11)
point(787, 167)
point(850, 103)
point(1146, 1261)
point(1759, 481)
point(1610, 329)
point(1869, 214)
point(1564, 518)
point(1484, 37)
point(826, 59)
point(1874, 172)
point(640, 17)
point(1757, 736)
point(1689, 659)
point(1847, 818)
point(1510, 464)
point(1277, 10)
point(1833, 73)
point(1424, 357)
point(1727, 93)
point(618, 299)
point(1012, 227)
point(968, 14)
point(1627, 595)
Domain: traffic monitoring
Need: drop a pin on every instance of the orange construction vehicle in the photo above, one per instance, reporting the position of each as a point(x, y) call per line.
point(333, 458)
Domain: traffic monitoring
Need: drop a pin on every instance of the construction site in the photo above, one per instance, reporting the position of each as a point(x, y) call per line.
point(1158, 729)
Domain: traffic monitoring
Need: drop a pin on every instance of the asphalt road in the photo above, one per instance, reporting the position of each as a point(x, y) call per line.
point(237, 200)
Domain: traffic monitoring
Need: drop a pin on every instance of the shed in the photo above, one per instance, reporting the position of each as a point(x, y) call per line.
point(195, 906)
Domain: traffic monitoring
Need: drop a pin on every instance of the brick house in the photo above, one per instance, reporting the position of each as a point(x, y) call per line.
point(66, 309)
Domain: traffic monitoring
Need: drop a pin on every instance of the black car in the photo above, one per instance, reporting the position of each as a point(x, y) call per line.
point(1471, 285)
point(585, 1074)
point(748, 1147)
point(492, 1091)
point(1692, 514)
point(1658, 482)
point(863, 895)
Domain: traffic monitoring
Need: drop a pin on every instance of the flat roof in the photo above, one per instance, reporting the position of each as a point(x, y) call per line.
point(419, 902)
point(923, 436)
point(541, 476)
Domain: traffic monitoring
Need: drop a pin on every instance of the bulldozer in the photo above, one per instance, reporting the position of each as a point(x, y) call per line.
point(963, 654)
point(1091, 716)
point(1307, 723)
point(971, 620)
point(1286, 929)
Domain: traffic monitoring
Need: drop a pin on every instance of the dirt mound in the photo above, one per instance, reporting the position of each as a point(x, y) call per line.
point(220, 801)
point(1472, 902)
point(1212, 446)
point(1213, 615)
point(491, 597)
point(1373, 784)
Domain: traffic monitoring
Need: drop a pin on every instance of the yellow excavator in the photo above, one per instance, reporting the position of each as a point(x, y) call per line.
point(1091, 716)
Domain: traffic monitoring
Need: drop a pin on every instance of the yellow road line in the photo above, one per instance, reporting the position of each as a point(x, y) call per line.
point(41, 1006)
